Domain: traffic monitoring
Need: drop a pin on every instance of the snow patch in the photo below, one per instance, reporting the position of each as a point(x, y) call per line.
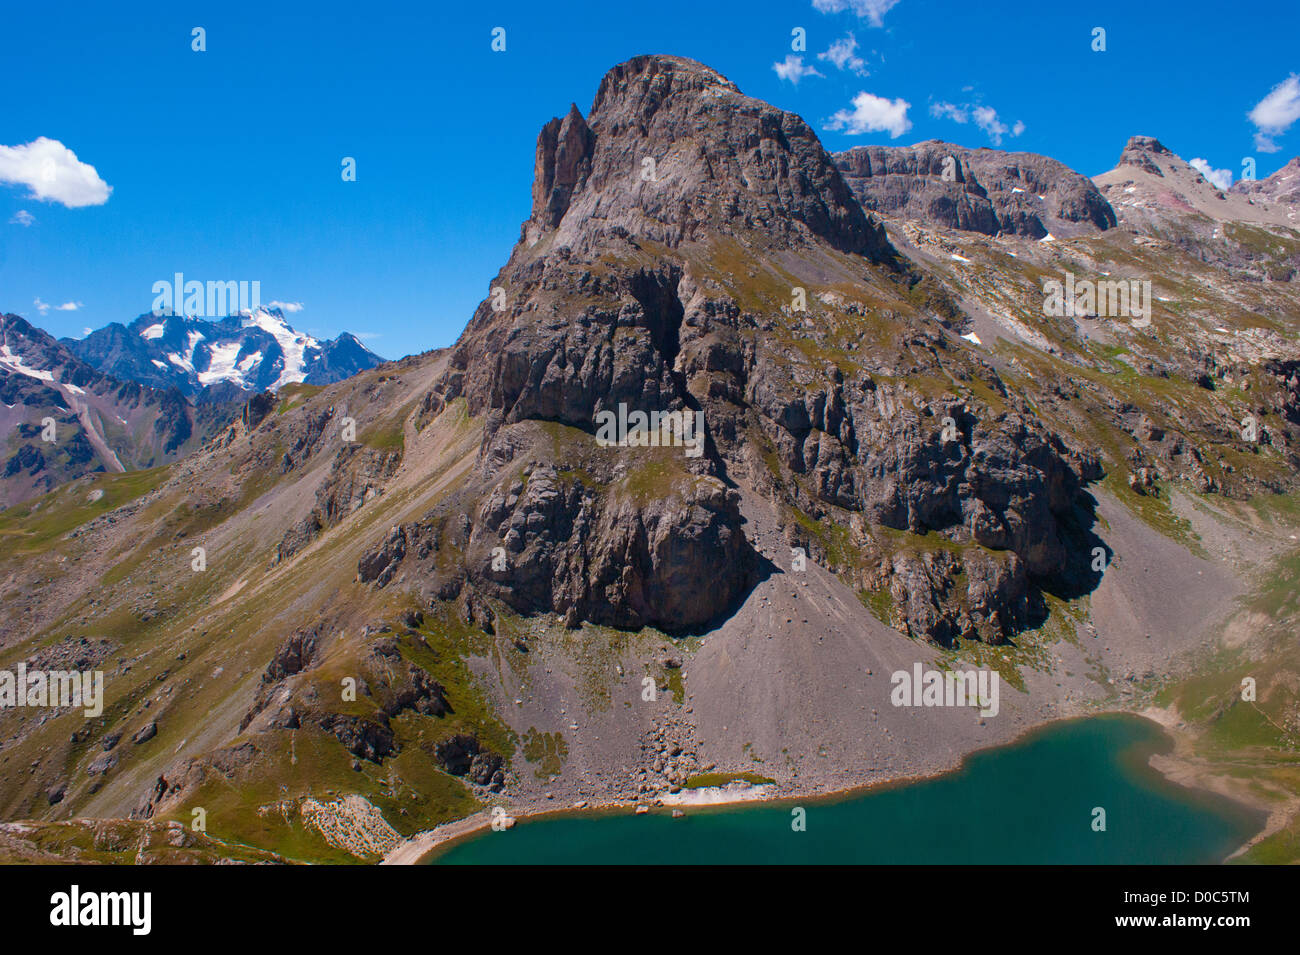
point(221, 365)
point(14, 362)
point(186, 362)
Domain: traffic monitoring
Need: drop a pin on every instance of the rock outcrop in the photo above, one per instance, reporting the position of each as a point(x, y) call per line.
point(672, 151)
point(464, 755)
point(608, 555)
point(1283, 187)
point(387, 685)
point(975, 190)
point(357, 475)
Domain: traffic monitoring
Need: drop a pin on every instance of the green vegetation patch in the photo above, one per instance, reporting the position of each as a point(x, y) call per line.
point(707, 780)
point(259, 806)
point(547, 750)
point(32, 527)
point(296, 393)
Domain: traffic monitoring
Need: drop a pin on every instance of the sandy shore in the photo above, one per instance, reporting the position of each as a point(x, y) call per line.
point(421, 844)
point(415, 849)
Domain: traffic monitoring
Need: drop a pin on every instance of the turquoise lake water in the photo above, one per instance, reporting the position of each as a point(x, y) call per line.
point(1030, 802)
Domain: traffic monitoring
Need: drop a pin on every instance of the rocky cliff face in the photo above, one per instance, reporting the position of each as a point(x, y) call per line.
point(975, 190)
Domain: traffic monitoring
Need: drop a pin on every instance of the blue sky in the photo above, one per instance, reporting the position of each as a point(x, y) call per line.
point(226, 164)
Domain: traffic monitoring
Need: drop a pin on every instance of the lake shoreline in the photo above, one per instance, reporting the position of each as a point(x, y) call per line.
point(1183, 768)
point(424, 846)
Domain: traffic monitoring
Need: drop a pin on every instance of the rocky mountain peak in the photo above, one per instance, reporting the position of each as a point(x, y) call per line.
point(1152, 186)
point(102, 423)
point(673, 151)
point(1140, 151)
point(646, 82)
point(564, 149)
point(1146, 144)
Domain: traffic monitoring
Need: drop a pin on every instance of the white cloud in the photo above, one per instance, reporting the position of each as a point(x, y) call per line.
point(872, 114)
point(1274, 114)
point(793, 69)
point(86, 331)
point(842, 54)
point(290, 307)
point(44, 307)
point(1220, 178)
point(985, 117)
point(53, 173)
point(950, 111)
point(1265, 144)
point(873, 11)
point(23, 218)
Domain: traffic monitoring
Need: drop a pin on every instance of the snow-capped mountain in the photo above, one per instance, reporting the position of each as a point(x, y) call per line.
point(255, 350)
point(61, 419)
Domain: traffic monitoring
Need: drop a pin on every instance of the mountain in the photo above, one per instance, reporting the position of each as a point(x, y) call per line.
point(63, 419)
point(252, 351)
point(750, 209)
point(1281, 188)
point(976, 190)
point(1152, 185)
point(481, 577)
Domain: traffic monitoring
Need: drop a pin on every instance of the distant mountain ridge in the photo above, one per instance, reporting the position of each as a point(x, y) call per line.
point(62, 419)
point(253, 351)
point(1281, 187)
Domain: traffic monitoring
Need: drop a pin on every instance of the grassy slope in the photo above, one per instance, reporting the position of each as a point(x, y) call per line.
point(1255, 743)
